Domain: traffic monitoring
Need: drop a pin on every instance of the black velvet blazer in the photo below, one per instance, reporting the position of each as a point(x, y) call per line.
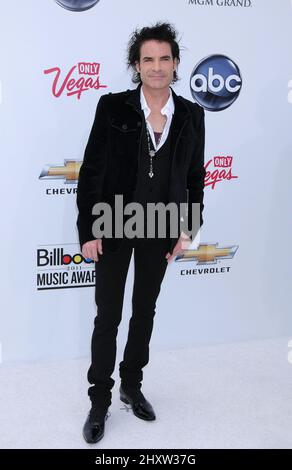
point(111, 157)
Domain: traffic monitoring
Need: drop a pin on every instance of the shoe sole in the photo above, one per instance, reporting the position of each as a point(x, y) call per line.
point(124, 400)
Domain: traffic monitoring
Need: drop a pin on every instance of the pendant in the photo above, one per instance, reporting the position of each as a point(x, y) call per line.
point(151, 174)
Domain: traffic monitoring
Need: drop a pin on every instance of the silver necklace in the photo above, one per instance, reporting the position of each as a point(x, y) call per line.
point(152, 152)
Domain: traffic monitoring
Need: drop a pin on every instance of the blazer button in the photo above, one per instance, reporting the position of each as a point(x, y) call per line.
point(124, 126)
point(139, 124)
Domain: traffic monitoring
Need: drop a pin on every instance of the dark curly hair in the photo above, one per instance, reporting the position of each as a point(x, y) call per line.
point(160, 32)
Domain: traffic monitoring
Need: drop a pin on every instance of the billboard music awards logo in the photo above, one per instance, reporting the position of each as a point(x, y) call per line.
point(80, 78)
point(215, 82)
point(62, 266)
point(77, 5)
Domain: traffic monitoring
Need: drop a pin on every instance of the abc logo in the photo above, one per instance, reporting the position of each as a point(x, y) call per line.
point(77, 5)
point(215, 82)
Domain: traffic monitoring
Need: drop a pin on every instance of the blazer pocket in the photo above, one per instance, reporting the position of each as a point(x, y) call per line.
point(123, 127)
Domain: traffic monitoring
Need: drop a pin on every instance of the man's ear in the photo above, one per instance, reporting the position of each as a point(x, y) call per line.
point(175, 63)
point(137, 66)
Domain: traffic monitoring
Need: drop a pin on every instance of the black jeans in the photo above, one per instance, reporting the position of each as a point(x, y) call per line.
point(111, 272)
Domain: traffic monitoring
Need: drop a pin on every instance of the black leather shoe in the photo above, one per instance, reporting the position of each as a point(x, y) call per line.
point(93, 429)
point(140, 406)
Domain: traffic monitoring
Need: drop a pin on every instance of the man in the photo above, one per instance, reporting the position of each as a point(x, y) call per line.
point(146, 144)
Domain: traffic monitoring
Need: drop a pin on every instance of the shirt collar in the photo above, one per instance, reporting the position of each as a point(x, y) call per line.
point(167, 109)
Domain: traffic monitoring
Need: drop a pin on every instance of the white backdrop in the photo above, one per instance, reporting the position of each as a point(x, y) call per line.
point(47, 308)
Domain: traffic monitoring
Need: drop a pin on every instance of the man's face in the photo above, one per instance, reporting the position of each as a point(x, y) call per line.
point(156, 64)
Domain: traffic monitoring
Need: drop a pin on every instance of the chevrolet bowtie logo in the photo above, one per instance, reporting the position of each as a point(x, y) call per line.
point(69, 171)
point(208, 253)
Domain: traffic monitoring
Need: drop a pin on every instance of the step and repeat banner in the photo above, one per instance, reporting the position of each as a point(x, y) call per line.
point(58, 57)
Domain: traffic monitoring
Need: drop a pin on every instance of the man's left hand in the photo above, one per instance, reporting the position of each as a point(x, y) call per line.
point(183, 243)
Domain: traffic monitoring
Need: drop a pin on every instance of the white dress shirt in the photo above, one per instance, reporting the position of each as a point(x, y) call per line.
point(167, 110)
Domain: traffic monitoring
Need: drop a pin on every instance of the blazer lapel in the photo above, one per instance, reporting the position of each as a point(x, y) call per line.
point(134, 99)
point(179, 118)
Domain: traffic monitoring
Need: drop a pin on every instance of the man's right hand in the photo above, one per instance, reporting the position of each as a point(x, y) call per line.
point(92, 249)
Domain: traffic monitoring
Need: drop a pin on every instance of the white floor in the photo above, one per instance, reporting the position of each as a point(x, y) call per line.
point(227, 396)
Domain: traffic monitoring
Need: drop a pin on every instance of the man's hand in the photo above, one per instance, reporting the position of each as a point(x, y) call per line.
point(183, 243)
point(92, 249)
